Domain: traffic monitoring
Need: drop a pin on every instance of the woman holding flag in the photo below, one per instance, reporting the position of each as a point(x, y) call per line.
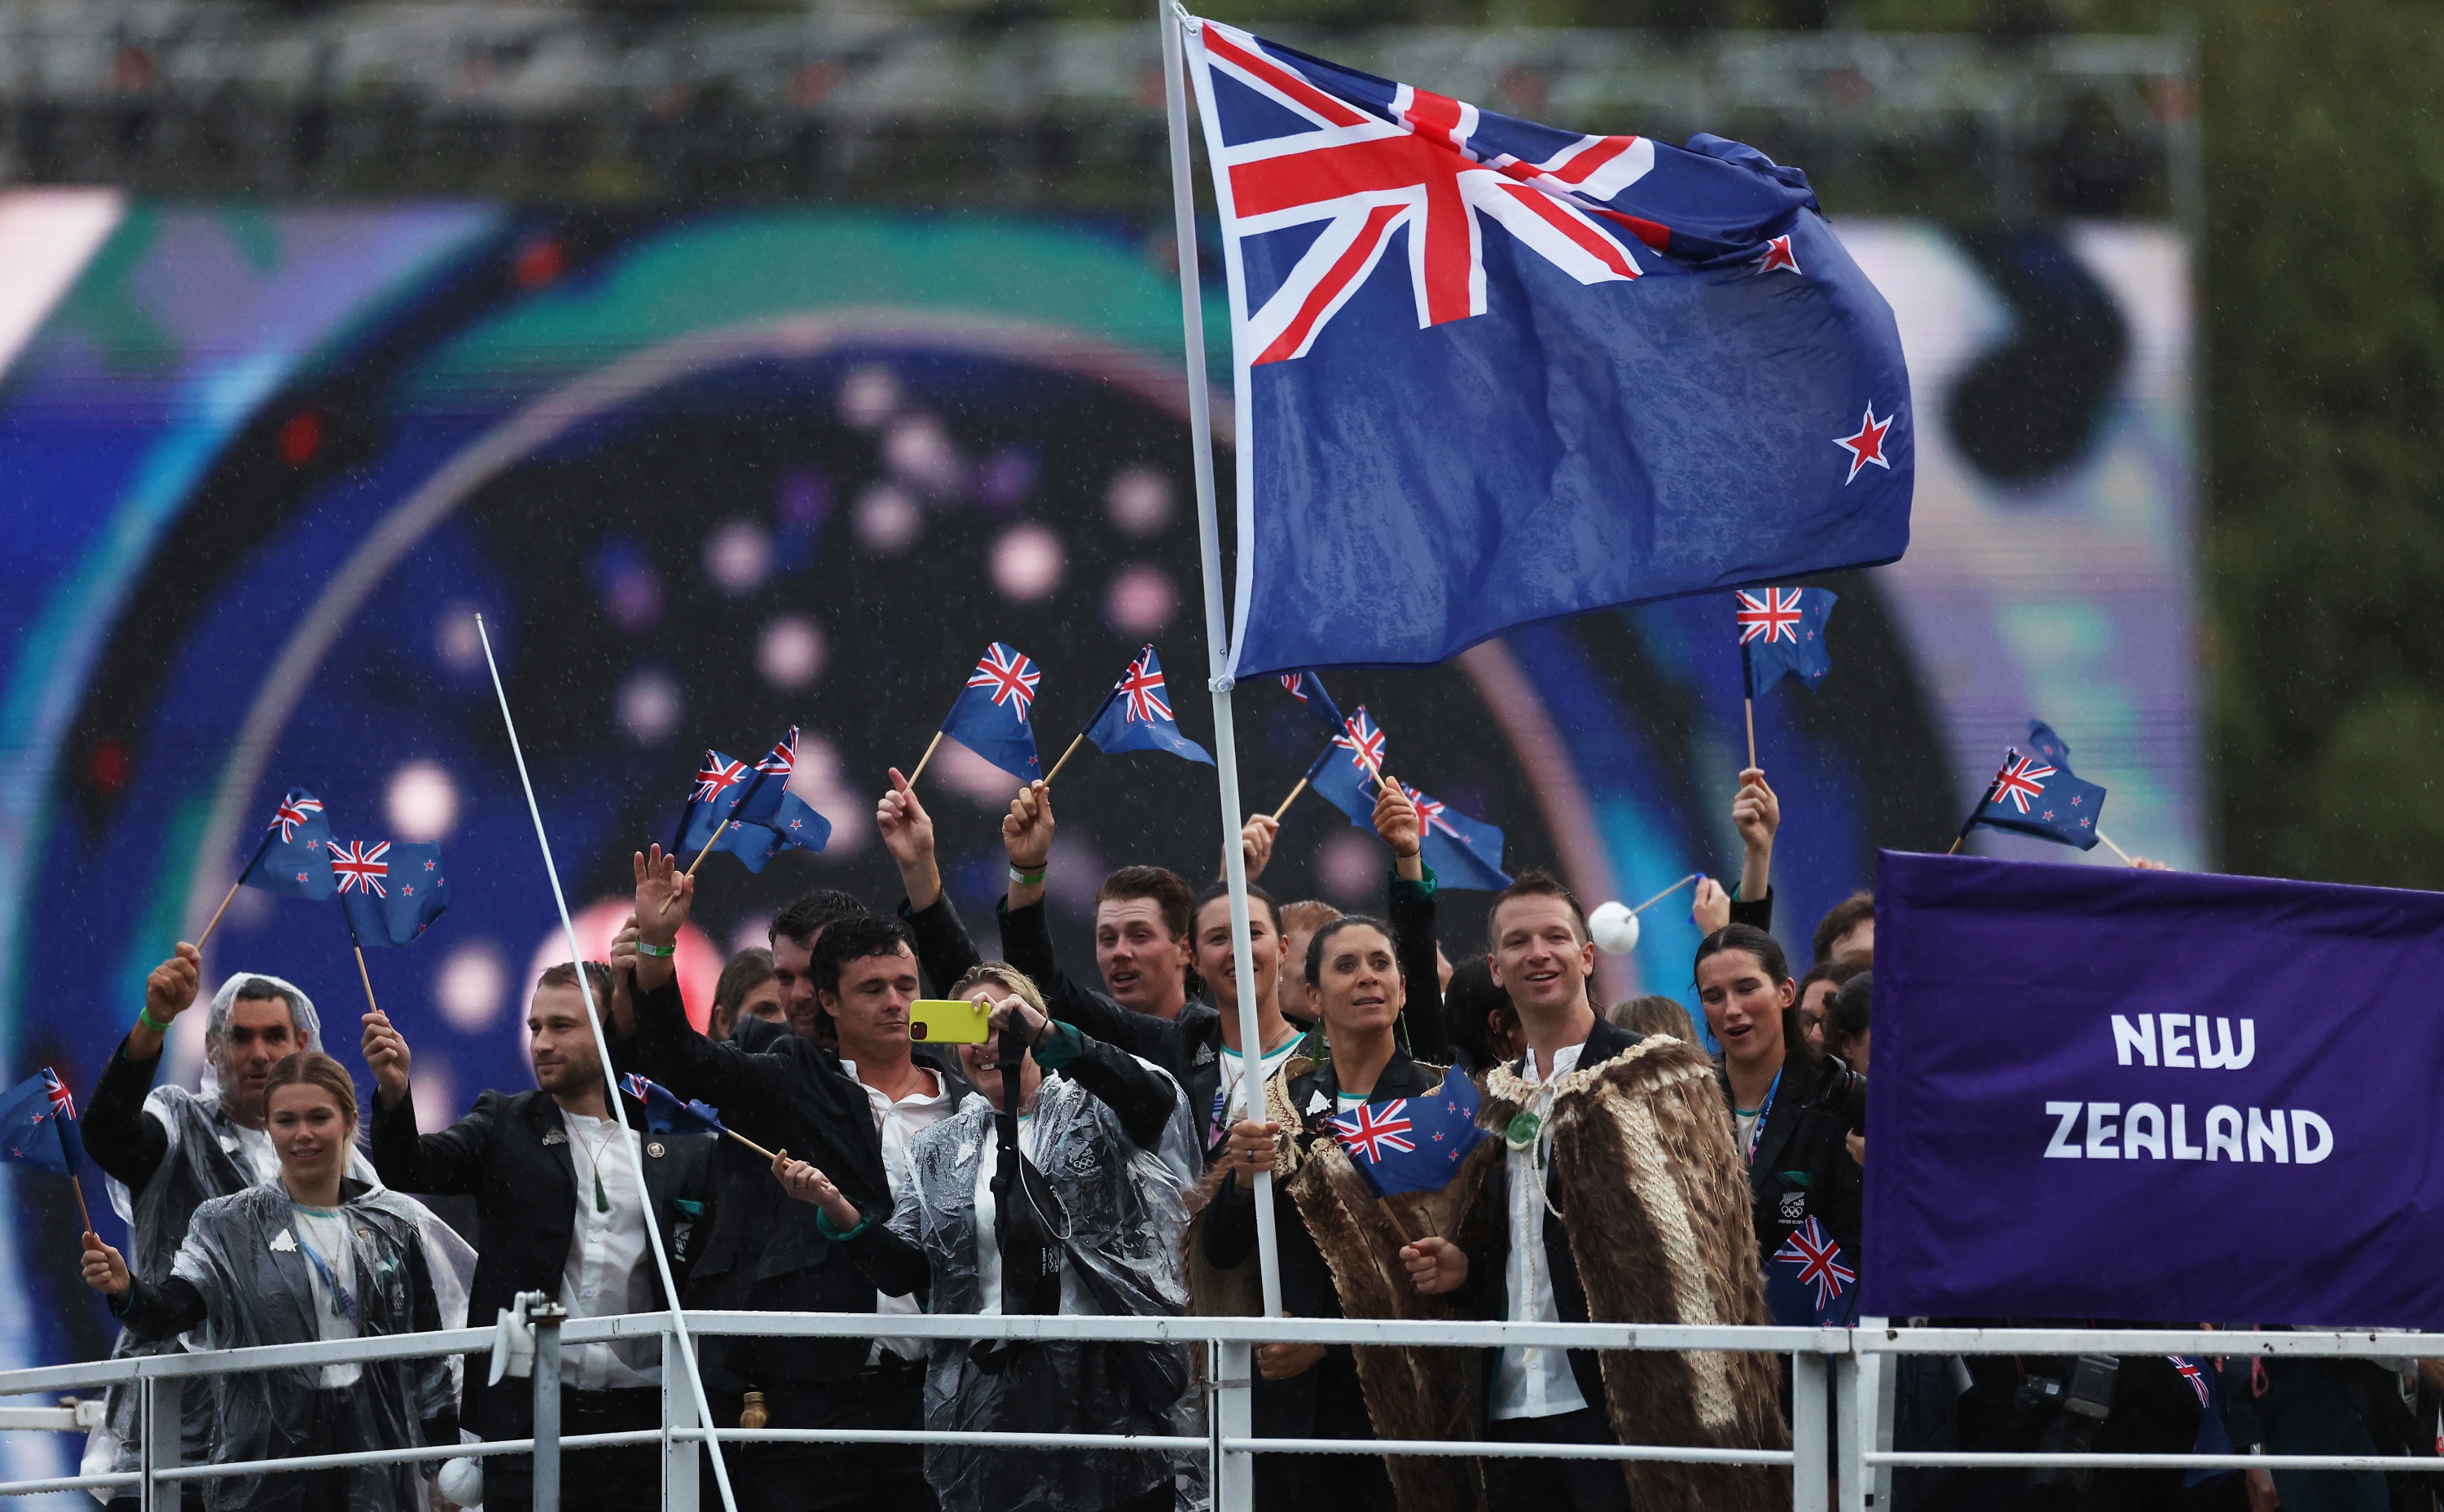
point(1367, 1191)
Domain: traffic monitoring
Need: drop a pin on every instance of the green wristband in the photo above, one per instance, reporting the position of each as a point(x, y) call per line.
point(657, 951)
point(144, 1017)
point(1034, 878)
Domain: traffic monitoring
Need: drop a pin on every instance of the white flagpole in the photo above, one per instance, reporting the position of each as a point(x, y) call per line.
point(1208, 535)
point(611, 1089)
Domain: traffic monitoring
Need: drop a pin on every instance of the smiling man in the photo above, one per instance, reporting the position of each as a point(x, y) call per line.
point(1620, 1186)
point(847, 1096)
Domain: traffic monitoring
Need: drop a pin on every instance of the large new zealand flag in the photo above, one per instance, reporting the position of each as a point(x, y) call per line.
point(1518, 372)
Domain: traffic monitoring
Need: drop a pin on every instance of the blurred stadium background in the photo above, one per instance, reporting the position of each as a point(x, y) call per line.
point(755, 364)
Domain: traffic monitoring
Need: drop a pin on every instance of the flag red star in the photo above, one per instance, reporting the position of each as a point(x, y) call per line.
point(1777, 255)
point(1867, 446)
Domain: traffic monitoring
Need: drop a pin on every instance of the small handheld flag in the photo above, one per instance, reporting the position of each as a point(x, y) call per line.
point(1812, 1281)
point(1464, 853)
point(761, 804)
point(1308, 690)
point(989, 716)
point(2032, 796)
point(288, 859)
point(38, 1126)
point(1782, 634)
point(667, 1113)
point(712, 821)
point(1341, 772)
point(2213, 1437)
point(1411, 1144)
point(390, 892)
point(1136, 715)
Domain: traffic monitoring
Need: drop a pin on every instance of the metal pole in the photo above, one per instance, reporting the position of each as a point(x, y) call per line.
point(547, 1320)
point(1848, 1443)
point(1208, 535)
point(164, 1440)
point(610, 1090)
point(683, 1490)
point(1235, 1484)
point(1809, 1452)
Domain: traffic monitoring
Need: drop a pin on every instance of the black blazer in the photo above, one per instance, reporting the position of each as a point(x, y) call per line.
point(1488, 1271)
point(1324, 1402)
point(766, 1253)
point(511, 1156)
point(1802, 1169)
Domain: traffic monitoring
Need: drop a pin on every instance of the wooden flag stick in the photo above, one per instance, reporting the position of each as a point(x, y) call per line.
point(362, 975)
point(85, 1211)
point(2115, 849)
point(749, 1144)
point(1080, 740)
point(1667, 892)
point(1955, 845)
point(215, 924)
point(930, 747)
point(1747, 706)
point(707, 847)
point(1406, 1236)
point(1287, 801)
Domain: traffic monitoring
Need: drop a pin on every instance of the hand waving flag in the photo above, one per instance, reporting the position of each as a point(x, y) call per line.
point(1464, 853)
point(2031, 795)
point(1137, 715)
point(1782, 634)
point(1536, 372)
point(290, 859)
point(989, 716)
point(391, 890)
point(1344, 774)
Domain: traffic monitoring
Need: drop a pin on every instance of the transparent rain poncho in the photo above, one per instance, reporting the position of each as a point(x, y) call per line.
point(241, 1255)
point(1120, 1213)
point(207, 1158)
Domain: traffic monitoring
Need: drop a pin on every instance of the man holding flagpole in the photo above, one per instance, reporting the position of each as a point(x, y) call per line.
point(557, 1211)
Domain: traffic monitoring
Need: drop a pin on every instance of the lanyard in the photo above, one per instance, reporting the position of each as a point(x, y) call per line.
point(1756, 1131)
point(344, 1303)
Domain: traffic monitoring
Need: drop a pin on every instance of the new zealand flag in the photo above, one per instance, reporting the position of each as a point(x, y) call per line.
point(1308, 690)
point(291, 858)
point(392, 890)
point(1411, 1144)
point(721, 787)
point(1524, 372)
point(1137, 715)
point(666, 1112)
point(989, 716)
point(38, 1125)
point(1782, 634)
point(2038, 796)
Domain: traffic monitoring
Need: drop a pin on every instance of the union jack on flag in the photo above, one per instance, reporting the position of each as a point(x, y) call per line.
point(1773, 616)
point(1817, 1259)
point(1141, 689)
point(718, 774)
point(1135, 716)
point(2021, 778)
point(784, 757)
point(63, 1101)
point(1369, 1129)
point(1363, 740)
point(2194, 1373)
point(297, 809)
point(360, 868)
point(1432, 812)
point(1009, 675)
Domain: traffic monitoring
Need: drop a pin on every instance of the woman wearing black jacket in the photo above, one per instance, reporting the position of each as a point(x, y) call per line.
point(1798, 1169)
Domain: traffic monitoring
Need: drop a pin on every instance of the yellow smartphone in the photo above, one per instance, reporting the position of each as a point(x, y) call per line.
point(949, 1021)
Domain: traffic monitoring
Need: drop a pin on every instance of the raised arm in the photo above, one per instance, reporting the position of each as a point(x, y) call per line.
point(1026, 937)
point(657, 1039)
point(129, 1146)
point(450, 1163)
point(1756, 813)
point(1140, 1095)
point(1411, 907)
point(944, 953)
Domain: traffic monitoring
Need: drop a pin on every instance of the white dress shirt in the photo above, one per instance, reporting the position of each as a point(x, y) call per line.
point(1530, 1381)
point(609, 1270)
point(899, 1122)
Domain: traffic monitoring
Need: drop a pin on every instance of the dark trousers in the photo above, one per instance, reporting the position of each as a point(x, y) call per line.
point(611, 1480)
point(1553, 1486)
point(831, 1477)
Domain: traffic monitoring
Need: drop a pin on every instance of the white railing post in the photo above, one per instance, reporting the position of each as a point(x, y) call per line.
point(679, 1469)
point(1882, 1399)
point(1234, 1478)
point(1849, 1445)
point(547, 1317)
point(164, 1433)
point(1810, 1477)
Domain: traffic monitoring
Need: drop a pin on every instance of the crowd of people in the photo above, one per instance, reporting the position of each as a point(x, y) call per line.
point(1093, 1154)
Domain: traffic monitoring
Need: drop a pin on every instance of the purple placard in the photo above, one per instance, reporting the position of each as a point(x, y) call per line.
point(2056, 1128)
